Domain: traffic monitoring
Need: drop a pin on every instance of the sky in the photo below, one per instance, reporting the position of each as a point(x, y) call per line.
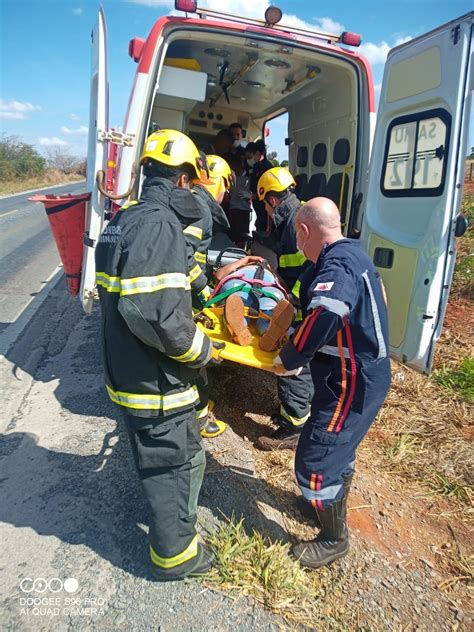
point(45, 52)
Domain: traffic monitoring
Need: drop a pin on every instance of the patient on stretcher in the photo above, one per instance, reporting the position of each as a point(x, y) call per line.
point(249, 289)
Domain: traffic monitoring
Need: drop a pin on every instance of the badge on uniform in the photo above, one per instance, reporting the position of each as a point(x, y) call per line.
point(324, 287)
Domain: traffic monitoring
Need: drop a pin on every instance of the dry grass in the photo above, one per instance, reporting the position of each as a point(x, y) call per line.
point(256, 567)
point(50, 178)
point(425, 430)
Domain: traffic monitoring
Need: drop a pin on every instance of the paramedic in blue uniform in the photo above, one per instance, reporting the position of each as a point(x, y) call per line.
point(344, 337)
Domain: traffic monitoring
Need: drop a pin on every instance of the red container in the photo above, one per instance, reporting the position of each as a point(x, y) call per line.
point(67, 216)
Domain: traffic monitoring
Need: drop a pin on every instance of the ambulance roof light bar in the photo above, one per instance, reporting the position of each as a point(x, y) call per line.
point(272, 16)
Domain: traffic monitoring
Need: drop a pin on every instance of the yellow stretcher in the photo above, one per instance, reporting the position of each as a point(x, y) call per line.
point(211, 321)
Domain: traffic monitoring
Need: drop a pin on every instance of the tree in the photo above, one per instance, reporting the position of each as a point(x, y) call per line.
point(59, 159)
point(272, 157)
point(284, 163)
point(18, 159)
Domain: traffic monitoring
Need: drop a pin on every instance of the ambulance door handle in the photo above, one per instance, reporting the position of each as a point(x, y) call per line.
point(462, 224)
point(100, 179)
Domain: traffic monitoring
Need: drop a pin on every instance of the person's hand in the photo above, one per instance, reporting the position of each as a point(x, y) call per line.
point(280, 370)
point(249, 259)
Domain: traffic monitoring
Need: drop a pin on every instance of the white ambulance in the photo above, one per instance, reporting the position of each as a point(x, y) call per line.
point(202, 72)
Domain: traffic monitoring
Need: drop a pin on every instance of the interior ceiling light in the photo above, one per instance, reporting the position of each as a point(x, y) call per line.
point(217, 52)
point(276, 63)
point(211, 80)
point(254, 84)
point(273, 15)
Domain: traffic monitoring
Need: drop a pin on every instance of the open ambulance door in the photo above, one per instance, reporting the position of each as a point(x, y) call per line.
point(96, 157)
point(415, 183)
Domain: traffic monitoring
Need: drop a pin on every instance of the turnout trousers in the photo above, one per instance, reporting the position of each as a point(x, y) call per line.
point(170, 462)
point(295, 393)
point(342, 412)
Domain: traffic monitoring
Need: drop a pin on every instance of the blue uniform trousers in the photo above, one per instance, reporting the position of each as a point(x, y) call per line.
point(342, 411)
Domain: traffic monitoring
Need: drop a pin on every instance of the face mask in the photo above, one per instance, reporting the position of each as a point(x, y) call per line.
point(300, 246)
point(240, 143)
point(251, 162)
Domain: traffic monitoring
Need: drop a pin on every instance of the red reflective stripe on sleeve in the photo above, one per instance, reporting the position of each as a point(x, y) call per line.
point(300, 338)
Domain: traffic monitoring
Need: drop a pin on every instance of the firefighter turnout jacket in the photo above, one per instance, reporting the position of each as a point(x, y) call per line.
point(220, 223)
point(291, 262)
point(151, 345)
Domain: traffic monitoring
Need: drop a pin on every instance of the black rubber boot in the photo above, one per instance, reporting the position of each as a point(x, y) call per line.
point(281, 439)
point(212, 428)
point(332, 542)
point(307, 510)
point(203, 563)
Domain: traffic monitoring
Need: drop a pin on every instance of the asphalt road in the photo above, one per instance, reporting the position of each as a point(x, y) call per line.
point(28, 254)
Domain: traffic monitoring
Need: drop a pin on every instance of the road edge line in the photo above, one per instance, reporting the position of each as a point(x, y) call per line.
point(54, 186)
point(11, 334)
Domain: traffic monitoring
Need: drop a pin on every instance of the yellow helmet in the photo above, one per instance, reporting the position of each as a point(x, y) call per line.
point(276, 179)
point(219, 168)
point(220, 176)
point(172, 148)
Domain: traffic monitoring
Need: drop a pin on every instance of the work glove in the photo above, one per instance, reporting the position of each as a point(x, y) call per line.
point(280, 370)
point(203, 295)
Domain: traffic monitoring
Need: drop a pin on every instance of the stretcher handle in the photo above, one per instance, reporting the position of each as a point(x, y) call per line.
point(236, 251)
point(100, 179)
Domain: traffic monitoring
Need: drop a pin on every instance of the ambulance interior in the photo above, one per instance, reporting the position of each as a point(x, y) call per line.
point(208, 81)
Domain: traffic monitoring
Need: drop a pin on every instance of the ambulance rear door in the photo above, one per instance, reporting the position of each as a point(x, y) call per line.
point(96, 157)
point(415, 183)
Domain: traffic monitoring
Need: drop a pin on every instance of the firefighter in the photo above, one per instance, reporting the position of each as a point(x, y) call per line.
point(152, 350)
point(212, 187)
point(344, 337)
point(276, 190)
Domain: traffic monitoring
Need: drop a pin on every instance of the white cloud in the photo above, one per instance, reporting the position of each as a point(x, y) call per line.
point(74, 117)
point(77, 11)
point(377, 53)
point(80, 131)
point(247, 8)
point(402, 40)
point(53, 141)
point(14, 110)
point(329, 25)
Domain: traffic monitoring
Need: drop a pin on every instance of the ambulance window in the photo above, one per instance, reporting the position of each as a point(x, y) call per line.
point(416, 154)
point(302, 157)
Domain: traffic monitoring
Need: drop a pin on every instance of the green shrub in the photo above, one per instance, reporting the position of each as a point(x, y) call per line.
point(19, 160)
